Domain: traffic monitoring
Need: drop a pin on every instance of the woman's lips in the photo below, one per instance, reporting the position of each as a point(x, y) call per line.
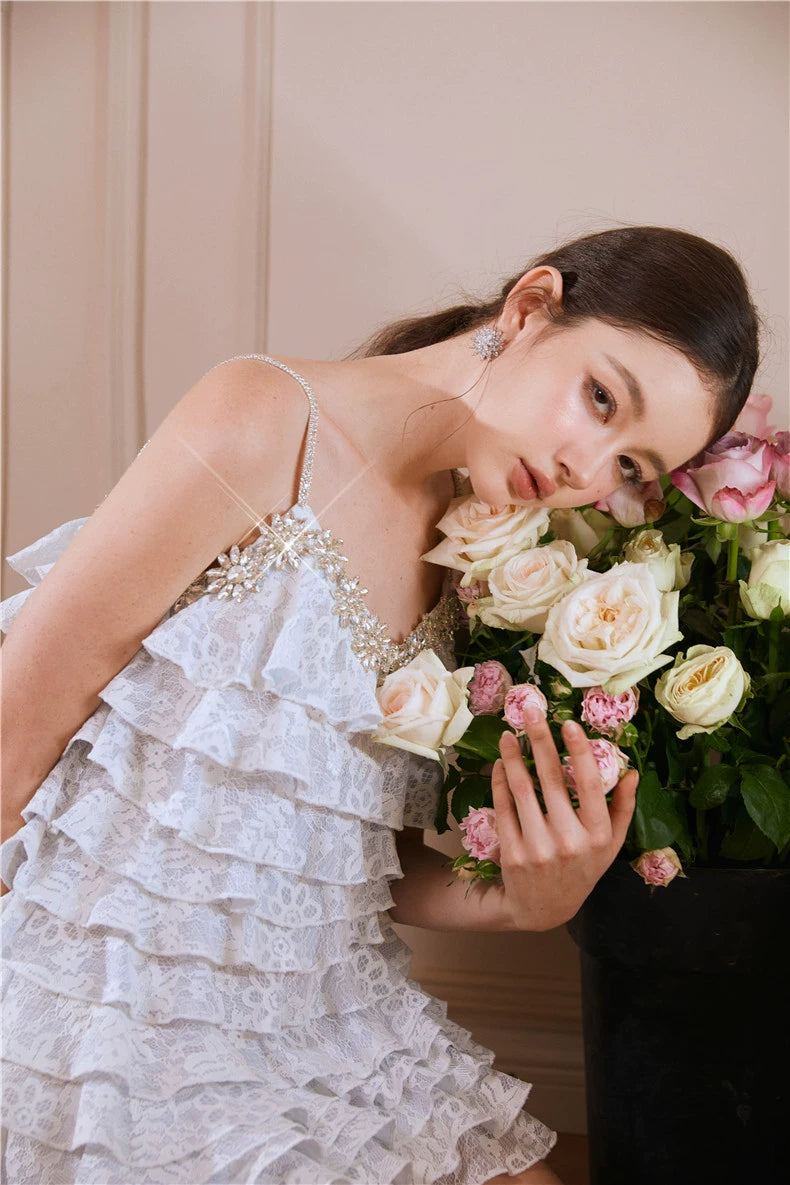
point(523, 482)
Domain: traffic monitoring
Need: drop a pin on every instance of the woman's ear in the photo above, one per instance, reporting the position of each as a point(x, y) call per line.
point(538, 287)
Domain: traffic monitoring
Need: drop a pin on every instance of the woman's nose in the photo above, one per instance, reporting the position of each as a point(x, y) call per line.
point(579, 467)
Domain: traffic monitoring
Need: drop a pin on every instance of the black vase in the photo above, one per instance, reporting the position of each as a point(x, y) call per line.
point(686, 1013)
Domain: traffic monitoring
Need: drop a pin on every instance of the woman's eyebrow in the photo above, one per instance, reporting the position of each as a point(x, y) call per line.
point(634, 390)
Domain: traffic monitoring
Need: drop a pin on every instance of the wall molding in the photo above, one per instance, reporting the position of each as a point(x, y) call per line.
point(124, 81)
point(252, 287)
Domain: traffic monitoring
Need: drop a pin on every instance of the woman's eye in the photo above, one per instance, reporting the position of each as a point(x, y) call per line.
point(603, 401)
point(629, 470)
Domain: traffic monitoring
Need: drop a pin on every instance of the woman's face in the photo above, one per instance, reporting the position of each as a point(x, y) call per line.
point(586, 409)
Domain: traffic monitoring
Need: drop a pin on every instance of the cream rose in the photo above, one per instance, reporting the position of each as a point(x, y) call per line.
point(480, 537)
point(583, 528)
point(702, 689)
point(611, 630)
point(670, 567)
point(769, 580)
point(523, 589)
point(424, 706)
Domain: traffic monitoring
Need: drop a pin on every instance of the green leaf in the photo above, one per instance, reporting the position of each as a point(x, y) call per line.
point(472, 791)
point(482, 737)
point(746, 842)
point(452, 779)
point(766, 796)
point(713, 786)
point(676, 766)
point(658, 821)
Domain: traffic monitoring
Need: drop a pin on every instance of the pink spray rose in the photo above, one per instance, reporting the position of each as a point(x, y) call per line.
point(730, 480)
point(488, 687)
point(658, 867)
point(631, 505)
point(480, 838)
point(780, 466)
point(612, 764)
point(521, 696)
point(608, 713)
point(753, 419)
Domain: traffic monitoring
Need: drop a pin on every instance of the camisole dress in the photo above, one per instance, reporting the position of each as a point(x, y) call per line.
point(200, 978)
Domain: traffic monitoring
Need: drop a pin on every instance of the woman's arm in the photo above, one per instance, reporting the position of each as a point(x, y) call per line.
point(219, 459)
point(431, 896)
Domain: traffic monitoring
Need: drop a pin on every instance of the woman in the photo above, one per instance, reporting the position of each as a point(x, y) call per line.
point(201, 981)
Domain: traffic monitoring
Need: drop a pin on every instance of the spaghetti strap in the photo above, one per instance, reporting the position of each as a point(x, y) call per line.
point(306, 475)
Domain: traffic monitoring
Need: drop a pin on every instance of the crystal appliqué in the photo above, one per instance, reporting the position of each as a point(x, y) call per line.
point(287, 542)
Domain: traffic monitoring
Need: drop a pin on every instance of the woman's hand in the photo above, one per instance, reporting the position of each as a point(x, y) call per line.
point(551, 861)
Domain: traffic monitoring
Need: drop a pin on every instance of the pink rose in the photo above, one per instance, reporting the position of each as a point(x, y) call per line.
point(631, 505)
point(521, 696)
point(658, 867)
point(488, 687)
point(730, 480)
point(780, 465)
point(480, 838)
point(612, 764)
point(608, 713)
point(753, 419)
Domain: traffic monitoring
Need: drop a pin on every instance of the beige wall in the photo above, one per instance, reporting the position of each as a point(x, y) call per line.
point(186, 181)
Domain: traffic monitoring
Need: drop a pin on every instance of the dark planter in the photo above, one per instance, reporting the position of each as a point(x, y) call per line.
point(686, 1009)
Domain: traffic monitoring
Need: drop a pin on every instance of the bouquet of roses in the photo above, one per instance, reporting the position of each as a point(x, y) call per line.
point(659, 618)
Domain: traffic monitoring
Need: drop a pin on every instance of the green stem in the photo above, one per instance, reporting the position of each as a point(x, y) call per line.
point(773, 645)
point(732, 558)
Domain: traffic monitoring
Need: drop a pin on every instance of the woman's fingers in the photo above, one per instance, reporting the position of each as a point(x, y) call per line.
point(548, 766)
point(621, 808)
point(512, 778)
point(593, 809)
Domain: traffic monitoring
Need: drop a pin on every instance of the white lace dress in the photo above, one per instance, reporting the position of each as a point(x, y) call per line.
point(201, 982)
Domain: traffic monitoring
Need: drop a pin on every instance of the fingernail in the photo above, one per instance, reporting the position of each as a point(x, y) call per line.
point(533, 715)
point(574, 730)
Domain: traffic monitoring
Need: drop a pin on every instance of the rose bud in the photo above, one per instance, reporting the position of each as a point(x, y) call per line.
point(521, 696)
point(611, 761)
point(608, 713)
point(480, 837)
point(658, 867)
point(488, 687)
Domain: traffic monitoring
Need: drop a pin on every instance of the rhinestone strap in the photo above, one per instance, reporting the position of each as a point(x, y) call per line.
point(288, 540)
point(306, 476)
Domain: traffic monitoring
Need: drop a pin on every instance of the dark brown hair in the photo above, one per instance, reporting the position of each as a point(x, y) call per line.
point(681, 289)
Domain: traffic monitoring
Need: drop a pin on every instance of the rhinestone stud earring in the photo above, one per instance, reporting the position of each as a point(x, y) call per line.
point(487, 342)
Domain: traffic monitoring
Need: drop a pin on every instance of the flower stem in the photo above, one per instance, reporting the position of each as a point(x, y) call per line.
point(732, 558)
point(773, 645)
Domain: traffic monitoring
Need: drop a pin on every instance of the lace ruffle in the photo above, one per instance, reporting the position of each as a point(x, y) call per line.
point(200, 981)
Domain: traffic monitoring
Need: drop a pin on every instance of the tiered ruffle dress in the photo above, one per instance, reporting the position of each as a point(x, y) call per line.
point(201, 982)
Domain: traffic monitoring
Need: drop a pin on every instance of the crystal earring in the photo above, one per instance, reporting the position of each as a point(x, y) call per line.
point(487, 342)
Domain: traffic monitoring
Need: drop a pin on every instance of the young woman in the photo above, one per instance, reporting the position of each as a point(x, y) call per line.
point(201, 981)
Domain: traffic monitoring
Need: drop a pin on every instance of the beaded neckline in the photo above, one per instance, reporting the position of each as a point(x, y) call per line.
point(289, 540)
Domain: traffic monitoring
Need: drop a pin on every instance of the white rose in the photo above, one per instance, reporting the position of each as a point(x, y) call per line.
point(424, 706)
point(670, 567)
point(769, 579)
point(703, 689)
point(525, 587)
point(480, 536)
point(583, 528)
point(610, 631)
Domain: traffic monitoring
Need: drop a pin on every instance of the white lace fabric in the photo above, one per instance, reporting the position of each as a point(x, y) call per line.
point(201, 982)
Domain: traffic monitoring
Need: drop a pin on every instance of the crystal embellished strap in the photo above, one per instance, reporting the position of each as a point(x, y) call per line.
point(306, 476)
